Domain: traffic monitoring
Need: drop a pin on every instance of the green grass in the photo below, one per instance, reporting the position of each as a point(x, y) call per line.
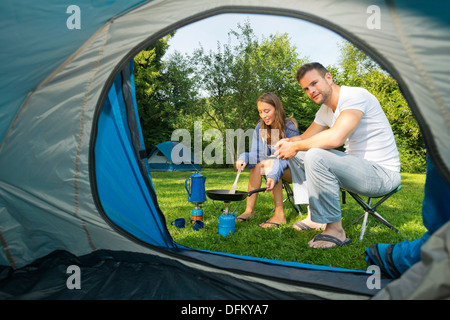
point(403, 210)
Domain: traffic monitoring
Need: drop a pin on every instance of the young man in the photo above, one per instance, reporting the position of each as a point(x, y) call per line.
point(369, 166)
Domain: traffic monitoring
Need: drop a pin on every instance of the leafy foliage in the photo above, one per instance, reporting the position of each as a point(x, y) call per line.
point(155, 119)
point(220, 89)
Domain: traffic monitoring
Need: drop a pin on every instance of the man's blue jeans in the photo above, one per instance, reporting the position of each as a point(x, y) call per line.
point(317, 175)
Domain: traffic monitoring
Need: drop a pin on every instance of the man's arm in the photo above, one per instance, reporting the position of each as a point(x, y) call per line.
point(330, 138)
point(312, 130)
point(288, 145)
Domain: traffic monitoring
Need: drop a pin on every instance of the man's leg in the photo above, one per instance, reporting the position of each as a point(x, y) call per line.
point(297, 168)
point(299, 188)
point(326, 171)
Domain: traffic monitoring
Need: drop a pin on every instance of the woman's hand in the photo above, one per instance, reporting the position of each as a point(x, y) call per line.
point(270, 184)
point(240, 165)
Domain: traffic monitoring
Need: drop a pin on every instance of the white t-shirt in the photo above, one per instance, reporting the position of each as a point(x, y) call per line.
point(373, 139)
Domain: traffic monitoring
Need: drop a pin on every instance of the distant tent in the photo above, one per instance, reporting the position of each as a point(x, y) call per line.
point(172, 156)
point(75, 187)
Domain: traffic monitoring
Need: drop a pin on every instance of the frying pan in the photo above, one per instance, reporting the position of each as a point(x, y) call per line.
point(224, 195)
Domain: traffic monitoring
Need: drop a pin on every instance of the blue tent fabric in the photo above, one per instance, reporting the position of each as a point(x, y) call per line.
point(124, 188)
point(396, 259)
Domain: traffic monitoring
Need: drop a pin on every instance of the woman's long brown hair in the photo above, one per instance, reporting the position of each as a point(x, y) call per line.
point(280, 118)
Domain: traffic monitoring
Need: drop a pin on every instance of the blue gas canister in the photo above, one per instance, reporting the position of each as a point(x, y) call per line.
point(227, 224)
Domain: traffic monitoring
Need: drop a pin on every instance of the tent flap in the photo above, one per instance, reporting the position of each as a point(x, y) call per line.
point(125, 193)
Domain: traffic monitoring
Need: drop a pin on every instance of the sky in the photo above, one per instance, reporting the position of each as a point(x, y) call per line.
point(313, 41)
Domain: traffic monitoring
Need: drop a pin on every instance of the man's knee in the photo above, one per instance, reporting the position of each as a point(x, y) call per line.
point(314, 156)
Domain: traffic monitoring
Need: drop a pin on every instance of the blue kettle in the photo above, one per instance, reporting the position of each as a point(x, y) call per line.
point(196, 189)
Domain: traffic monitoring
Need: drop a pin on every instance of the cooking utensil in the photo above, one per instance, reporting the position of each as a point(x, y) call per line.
point(227, 219)
point(225, 195)
point(233, 188)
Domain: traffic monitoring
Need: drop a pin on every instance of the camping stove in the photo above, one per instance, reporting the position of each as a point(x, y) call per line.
point(196, 194)
point(197, 212)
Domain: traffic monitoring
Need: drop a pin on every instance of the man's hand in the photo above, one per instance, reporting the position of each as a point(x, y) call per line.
point(285, 149)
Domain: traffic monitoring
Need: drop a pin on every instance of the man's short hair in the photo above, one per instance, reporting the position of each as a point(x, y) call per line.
point(311, 66)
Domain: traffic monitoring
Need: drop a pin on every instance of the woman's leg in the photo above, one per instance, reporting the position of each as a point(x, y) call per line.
point(278, 217)
point(254, 182)
point(277, 194)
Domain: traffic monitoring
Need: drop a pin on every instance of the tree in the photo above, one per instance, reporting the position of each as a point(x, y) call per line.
point(220, 89)
point(148, 82)
point(238, 72)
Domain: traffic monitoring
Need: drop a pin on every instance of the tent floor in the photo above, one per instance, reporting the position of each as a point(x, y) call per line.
point(124, 276)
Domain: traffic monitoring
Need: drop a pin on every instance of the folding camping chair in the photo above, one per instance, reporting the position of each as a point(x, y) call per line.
point(290, 197)
point(370, 209)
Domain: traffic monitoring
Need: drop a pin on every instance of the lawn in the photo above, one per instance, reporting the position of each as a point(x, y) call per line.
point(403, 210)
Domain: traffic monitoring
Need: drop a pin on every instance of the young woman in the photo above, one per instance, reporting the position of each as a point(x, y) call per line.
point(261, 160)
